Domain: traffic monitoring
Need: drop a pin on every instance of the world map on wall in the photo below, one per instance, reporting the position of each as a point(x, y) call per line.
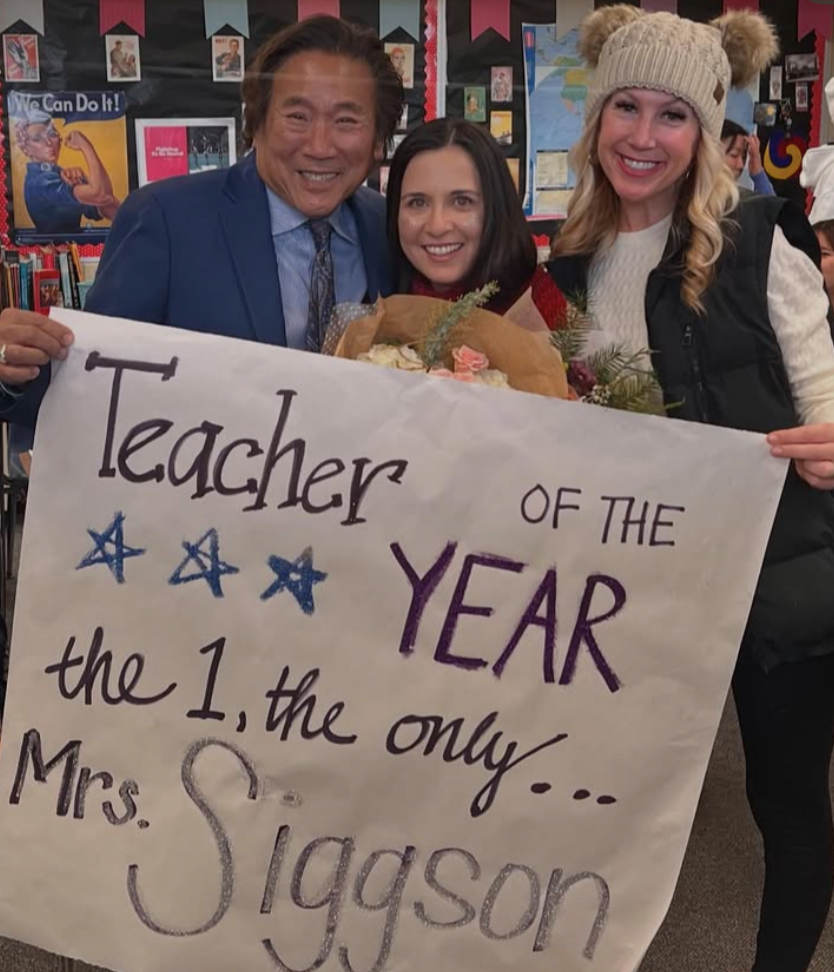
point(557, 86)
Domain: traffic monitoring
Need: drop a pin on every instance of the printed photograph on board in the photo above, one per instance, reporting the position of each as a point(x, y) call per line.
point(20, 58)
point(123, 59)
point(502, 84)
point(501, 126)
point(801, 67)
point(474, 104)
point(227, 58)
point(402, 57)
point(802, 97)
point(183, 146)
point(764, 114)
point(68, 162)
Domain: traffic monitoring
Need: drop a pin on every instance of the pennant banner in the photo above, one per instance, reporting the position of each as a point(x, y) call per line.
point(741, 5)
point(128, 12)
point(310, 8)
point(493, 14)
point(660, 6)
point(29, 11)
point(814, 16)
point(394, 14)
point(219, 13)
point(570, 14)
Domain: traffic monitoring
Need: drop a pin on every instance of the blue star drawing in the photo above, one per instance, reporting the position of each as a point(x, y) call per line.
point(209, 566)
point(113, 535)
point(296, 576)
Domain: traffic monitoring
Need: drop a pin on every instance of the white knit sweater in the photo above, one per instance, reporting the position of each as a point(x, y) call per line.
point(796, 300)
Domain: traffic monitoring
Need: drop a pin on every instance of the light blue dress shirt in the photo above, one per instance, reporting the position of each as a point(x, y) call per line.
point(294, 252)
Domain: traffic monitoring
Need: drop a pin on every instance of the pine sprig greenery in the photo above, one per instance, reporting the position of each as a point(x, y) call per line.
point(613, 376)
point(571, 336)
point(448, 328)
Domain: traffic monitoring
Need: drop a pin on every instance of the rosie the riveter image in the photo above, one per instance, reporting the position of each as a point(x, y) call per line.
point(58, 197)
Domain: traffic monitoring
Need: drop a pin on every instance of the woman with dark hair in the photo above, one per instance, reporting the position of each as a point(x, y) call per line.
point(742, 149)
point(455, 221)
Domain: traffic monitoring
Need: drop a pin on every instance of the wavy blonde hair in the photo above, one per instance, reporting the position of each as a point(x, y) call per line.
point(707, 196)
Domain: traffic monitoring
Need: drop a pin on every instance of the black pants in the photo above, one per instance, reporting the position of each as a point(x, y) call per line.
point(787, 728)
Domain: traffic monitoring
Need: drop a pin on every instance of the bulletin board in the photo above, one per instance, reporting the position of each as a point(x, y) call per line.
point(471, 60)
point(177, 69)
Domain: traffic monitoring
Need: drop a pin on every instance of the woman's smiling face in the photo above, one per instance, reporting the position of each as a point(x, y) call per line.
point(441, 215)
point(647, 141)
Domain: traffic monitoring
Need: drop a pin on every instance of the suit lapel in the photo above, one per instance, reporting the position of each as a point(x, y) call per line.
point(248, 231)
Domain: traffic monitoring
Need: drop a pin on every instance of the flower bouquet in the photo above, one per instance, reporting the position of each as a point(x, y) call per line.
point(613, 376)
point(455, 340)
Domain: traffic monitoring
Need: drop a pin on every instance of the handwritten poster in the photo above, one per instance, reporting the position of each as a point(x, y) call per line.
point(318, 665)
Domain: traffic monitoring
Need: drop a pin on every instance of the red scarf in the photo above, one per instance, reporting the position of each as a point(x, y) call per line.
point(546, 295)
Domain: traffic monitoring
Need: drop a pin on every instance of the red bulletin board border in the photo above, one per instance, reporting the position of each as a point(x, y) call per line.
point(431, 28)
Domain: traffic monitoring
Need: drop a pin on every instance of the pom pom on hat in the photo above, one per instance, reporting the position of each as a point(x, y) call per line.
point(692, 61)
point(750, 42)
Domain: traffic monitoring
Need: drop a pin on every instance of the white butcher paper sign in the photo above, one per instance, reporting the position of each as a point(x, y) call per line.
point(318, 665)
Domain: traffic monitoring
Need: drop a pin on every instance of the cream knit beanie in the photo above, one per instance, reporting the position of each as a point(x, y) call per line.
point(695, 62)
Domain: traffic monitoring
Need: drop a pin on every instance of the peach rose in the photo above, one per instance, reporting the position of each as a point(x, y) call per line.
point(469, 361)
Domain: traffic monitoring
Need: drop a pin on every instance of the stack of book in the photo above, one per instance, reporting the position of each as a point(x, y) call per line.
point(44, 278)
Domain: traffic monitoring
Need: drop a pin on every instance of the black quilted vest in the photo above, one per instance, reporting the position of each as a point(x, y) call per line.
point(725, 368)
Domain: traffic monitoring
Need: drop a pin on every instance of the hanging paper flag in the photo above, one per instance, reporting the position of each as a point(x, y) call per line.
point(660, 6)
point(309, 8)
point(29, 11)
point(488, 14)
point(741, 5)
point(399, 13)
point(128, 12)
point(570, 14)
point(219, 13)
point(814, 16)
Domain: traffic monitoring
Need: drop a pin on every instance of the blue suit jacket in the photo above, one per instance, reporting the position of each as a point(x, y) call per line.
point(196, 252)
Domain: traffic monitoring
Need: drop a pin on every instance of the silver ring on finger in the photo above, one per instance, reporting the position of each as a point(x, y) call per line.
point(3, 359)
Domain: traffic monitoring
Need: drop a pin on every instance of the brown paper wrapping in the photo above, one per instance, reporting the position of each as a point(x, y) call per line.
point(527, 357)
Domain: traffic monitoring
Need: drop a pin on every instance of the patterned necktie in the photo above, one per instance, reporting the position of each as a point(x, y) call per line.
point(322, 297)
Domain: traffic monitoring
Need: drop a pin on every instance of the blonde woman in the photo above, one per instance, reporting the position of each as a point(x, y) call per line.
point(729, 297)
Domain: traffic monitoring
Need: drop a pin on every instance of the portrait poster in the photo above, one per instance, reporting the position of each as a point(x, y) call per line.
point(474, 103)
point(183, 146)
point(69, 171)
point(501, 126)
point(402, 57)
point(227, 58)
point(21, 59)
point(501, 87)
point(335, 667)
point(801, 96)
point(124, 61)
point(775, 83)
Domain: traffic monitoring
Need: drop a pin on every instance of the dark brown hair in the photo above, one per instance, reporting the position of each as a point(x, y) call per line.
point(328, 35)
point(826, 229)
point(507, 253)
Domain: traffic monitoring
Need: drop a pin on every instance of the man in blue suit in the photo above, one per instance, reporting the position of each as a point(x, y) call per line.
point(260, 251)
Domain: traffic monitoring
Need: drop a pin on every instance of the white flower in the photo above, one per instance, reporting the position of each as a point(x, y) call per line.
point(492, 377)
point(391, 356)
